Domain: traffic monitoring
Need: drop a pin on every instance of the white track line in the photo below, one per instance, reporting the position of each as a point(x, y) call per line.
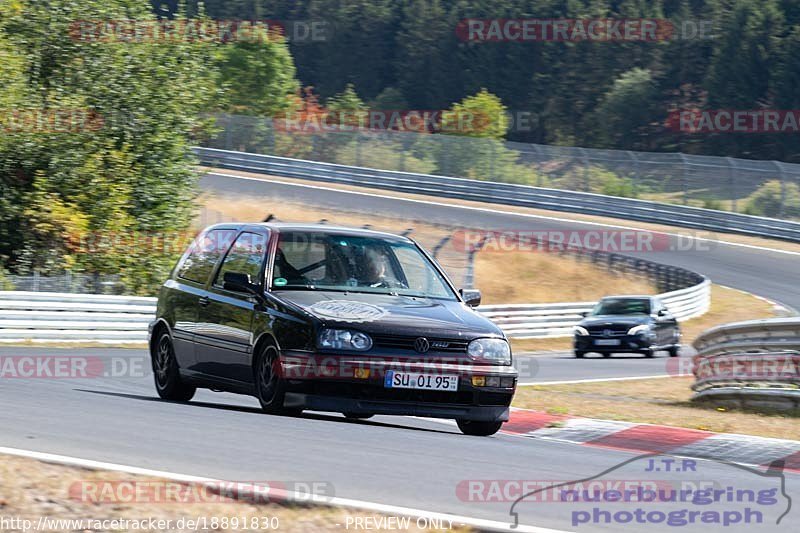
point(457, 520)
point(500, 211)
point(599, 380)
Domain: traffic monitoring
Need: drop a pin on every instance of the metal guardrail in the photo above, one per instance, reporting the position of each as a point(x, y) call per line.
point(750, 364)
point(532, 321)
point(67, 317)
point(506, 193)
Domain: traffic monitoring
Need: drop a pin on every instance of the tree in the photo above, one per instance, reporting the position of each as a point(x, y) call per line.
point(622, 118)
point(258, 74)
point(128, 170)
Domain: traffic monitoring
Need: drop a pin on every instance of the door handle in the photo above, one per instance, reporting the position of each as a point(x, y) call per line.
point(204, 301)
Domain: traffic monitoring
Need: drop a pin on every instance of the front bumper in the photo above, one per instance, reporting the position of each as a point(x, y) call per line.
point(626, 343)
point(329, 383)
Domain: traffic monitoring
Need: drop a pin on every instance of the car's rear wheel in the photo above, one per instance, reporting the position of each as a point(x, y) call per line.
point(674, 351)
point(606, 355)
point(270, 386)
point(165, 372)
point(648, 353)
point(357, 416)
point(479, 429)
point(579, 355)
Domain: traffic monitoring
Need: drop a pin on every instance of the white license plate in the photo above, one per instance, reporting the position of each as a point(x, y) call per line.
point(606, 342)
point(414, 380)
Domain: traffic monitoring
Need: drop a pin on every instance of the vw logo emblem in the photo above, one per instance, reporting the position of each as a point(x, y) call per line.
point(421, 345)
point(606, 333)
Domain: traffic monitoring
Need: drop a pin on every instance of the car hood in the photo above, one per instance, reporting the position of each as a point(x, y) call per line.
point(602, 320)
point(392, 315)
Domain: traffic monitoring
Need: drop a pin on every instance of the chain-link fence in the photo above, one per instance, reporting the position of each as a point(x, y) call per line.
point(764, 188)
point(66, 282)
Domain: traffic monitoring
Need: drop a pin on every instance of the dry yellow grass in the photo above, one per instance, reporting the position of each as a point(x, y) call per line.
point(728, 237)
point(30, 489)
point(654, 401)
point(507, 277)
point(540, 277)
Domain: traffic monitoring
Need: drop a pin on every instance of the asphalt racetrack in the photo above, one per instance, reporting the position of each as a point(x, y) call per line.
point(404, 461)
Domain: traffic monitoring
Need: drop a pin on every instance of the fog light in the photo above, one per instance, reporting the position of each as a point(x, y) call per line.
point(361, 373)
point(493, 381)
point(478, 381)
point(507, 382)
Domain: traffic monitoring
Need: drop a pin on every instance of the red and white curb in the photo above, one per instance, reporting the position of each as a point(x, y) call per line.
point(650, 438)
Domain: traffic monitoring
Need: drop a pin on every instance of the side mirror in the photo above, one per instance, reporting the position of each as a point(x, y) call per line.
point(584, 314)
point(662, 312)
point(471, 297)
point(237, 282)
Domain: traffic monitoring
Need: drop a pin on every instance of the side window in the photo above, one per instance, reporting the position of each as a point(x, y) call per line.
point(246, 256)
point(204, 253)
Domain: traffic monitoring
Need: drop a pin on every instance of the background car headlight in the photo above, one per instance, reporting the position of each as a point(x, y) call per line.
point(344, 339)
point(494, 351)
point(643, 330)
point(580, 330)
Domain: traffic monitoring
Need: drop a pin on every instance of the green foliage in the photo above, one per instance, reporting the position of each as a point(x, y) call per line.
point(258, 75)
point(131, 170)
point(767, 200)
point(481, 115)
point(626, 110)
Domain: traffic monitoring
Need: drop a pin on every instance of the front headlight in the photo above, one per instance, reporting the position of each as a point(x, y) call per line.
point(495, 351)
point(344, 339)
point(644, 329)
point(580, 331)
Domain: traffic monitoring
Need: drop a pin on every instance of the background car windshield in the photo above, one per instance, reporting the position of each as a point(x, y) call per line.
point(622, 306)
point(323, 261)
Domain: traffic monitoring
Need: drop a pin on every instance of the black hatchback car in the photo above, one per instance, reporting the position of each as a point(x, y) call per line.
point(628, 324)
point(328, 319)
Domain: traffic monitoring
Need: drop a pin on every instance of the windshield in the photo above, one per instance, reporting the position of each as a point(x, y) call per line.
point(622, 306)
point(347, 263)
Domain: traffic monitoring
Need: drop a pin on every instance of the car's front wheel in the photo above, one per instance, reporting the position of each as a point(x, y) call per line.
point(674, 351)
point(270, 386)
point(579, 354)
point(165, 372)
point(479, 429)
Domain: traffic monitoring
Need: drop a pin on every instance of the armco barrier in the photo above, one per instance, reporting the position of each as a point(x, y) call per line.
point(67, 317)
point(531, 321)
point(750, 364)
point(506, 193)
point(63, 317)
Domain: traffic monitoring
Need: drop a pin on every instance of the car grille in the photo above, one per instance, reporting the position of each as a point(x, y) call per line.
point(407, 343)
point(614, 330)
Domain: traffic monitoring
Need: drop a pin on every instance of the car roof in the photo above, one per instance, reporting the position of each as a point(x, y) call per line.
point(285, 227)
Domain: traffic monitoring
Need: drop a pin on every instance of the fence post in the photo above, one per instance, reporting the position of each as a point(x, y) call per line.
point(586, 187)
point(782, 208)
point(635, 181)
point(732, 167)
point(684, 178)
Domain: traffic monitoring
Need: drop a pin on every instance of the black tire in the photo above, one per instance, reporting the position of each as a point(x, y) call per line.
point(674, 351)
point(648, 354)
point(579, 355)
point(165, 371)
point(478, 429)
point(357, 416)
point(270, 386)
point(606, 355)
